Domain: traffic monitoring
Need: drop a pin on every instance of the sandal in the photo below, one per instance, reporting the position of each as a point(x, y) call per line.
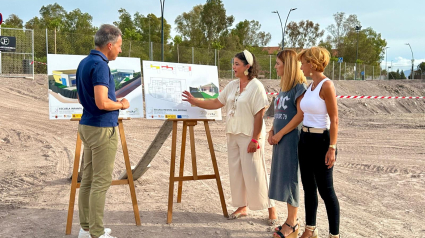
point(234, 216)
point(280, 227)
point(314, 230)
point(272, 222)
point(293, 234)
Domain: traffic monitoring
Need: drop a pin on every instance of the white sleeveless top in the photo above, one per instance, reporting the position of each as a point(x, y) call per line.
point(314, 108)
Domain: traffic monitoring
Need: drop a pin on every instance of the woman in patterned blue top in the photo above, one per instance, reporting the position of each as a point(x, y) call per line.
point(284, 136)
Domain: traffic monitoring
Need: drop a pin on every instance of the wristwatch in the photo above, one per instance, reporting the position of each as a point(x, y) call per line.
point(332, 146)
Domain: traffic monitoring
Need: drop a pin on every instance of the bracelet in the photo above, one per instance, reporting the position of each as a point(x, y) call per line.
point(256, 142)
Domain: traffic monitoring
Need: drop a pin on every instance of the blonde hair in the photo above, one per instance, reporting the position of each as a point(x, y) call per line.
point(292, 74)
point(317, 56)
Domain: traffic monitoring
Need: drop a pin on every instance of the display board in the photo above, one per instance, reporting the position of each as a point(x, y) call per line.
point(63, 102)
point(165, 82)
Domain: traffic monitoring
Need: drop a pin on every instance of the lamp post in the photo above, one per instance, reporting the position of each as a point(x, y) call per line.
point(386, 69)
point(358, 28)
point(280, 25)
point(413, 61)
point(162, 2)
point(284, 28)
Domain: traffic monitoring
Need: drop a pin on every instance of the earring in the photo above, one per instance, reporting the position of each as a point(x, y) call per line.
point(245, 72)
point(311, 74)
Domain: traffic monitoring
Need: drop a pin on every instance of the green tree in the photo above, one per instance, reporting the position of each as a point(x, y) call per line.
point(149, 28)
point(188, 25)
point(52, 16)
point(249, 33)
point(402, 76)
point(303, 34)
point(13, 22)
point(422, 66)
point(126, 25)
point(370, 46)
point(77, 21)
point(214, 21)
point(340, 29)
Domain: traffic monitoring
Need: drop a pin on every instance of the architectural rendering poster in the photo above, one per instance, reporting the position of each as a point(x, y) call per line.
point(165, 83)
point(63, 102)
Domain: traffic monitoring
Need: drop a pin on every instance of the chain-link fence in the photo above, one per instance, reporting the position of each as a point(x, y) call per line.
point(52, 42)
point(18, 63)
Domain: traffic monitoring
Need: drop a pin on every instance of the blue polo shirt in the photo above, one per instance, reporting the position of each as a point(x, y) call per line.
point(94, 70)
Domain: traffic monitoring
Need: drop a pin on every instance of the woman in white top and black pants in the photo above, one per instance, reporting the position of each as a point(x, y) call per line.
point(317, 145)
point(245, 99)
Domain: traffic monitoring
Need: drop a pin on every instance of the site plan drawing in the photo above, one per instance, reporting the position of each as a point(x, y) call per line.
point(165, 82)
point(63, 102)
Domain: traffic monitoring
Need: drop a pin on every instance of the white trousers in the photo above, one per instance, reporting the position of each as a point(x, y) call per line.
point(249, 183)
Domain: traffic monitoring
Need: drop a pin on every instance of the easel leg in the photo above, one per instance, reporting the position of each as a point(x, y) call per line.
point(129, 173)
point(183, 150)
point(217, 175)
point(73, 185)
point(172, 168)
point(193, 151)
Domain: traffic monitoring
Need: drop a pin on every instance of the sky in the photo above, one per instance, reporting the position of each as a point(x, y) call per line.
point(399, 22)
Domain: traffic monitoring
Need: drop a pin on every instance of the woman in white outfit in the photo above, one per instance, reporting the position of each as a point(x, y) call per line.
point(317, 145)
point(245, 99)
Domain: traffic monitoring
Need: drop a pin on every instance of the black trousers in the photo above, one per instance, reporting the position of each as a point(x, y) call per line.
point(315, 175)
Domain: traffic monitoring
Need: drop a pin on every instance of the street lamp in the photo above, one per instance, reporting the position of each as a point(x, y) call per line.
point(162, 2)
point(284, 28)
point(357, 28)
point(413, 61)
point(280, 25)
point(386, 69)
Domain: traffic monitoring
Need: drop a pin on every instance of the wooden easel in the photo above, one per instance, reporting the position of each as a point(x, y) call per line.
point(129, 180)
point(190, 123)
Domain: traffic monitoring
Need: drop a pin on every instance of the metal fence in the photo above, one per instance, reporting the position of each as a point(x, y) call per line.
point(52, 42)
point(20, 62)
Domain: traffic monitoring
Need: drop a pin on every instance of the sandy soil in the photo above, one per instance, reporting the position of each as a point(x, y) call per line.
point(379, 174)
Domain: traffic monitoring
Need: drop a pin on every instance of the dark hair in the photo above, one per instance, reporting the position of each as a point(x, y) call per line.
point(106, 33)
point(253, 70)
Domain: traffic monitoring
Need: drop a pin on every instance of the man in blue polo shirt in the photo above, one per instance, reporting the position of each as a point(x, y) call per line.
point(98, 129)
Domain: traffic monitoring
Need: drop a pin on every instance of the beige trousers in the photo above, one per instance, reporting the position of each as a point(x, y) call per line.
point(100, 147)
point(249, 183)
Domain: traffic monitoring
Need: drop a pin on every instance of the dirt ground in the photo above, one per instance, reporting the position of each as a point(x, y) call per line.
point(379, 175)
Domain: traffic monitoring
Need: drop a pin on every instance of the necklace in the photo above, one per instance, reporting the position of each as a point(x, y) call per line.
point(313, 86)
point(242, 85)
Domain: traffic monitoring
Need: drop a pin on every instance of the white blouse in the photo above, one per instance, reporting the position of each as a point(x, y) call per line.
point(242, 107)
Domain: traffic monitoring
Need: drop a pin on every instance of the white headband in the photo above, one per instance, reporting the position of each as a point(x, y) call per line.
point(248, 57)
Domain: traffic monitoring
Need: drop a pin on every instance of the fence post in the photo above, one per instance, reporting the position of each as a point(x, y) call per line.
point(129, 50)
point(215, 57)
point(47, 43)
point(270, 66)
point(373, 72)
point(178, 54)
point(231, 64)
point(339, 71)
point(345, 71)
point(151, 51)
point(364, 71)
point(55, 40)
point(333, 70)
point(193, 56)
point(33, 63)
